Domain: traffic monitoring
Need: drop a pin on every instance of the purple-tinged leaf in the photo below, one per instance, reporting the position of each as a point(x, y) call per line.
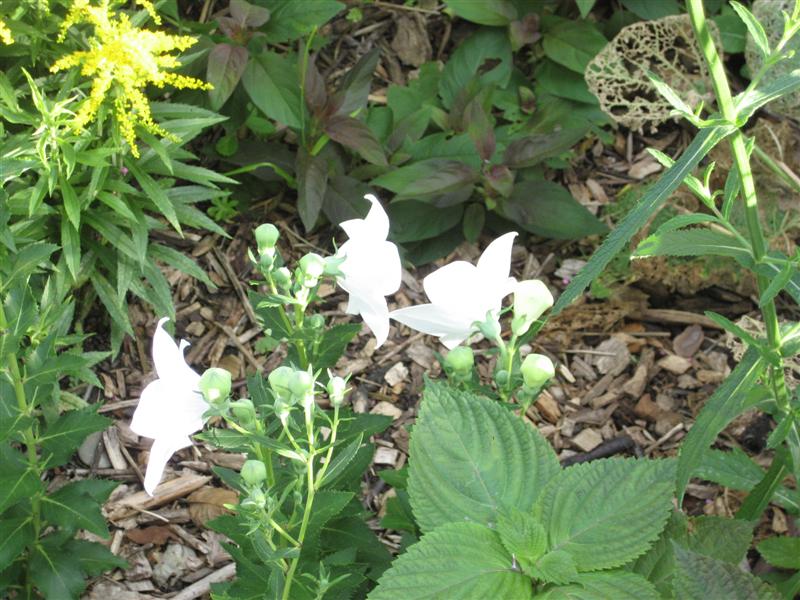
point(354, 134)
point(428, 178)
point(531, 150)
point(356, 83)
point(479, 127)
point(316, 96)
point(312, 181)
point(248, 15)
point(501, 179)
point(226, 63)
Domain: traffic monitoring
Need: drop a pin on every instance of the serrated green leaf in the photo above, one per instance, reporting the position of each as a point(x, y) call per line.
point(555, 567)
point(681, 221)
point(15, 534)
point(698, 576)
point(458, 560)
point(658, 564)
point(748, 102)
point(780, 281)
point(61, 438)
point(56, 573)
point(693, 242)
point(26, 261)
point(647, 206)
point(782, 552)
point(608, 585)
point(522, 535)
point(180, 261)
point(94, 558)
point(720, 538)
point(619, 505)
point(341, 459)
point(472, 458)
point(724, 405)
point(17, 485)
point(71, 508)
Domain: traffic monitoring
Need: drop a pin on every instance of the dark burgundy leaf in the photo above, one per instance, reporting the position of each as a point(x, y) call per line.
point(248, 15)
point(354, 134)
point(427, 178)
point(226, 63)
point(312, 180)
point(531, 150)
point(357, 82)
point(480, 128)
point(500, 179)
point(315, 94)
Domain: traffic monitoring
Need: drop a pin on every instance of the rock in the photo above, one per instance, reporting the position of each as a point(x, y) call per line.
point(386, 456)
point(708, 376)
point(176, 560)
point(688, 342)
point(89, 449)
point(587, 440)
point(614, 358)
point(396, 374)
point(422, 354)
point(675, 364)
point(386, 408)
point(666, 421)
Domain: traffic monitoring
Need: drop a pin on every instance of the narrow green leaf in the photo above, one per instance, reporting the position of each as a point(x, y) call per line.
point(748, 102)
point(619, 505)
point(473, 458)
point(108, 297)
point(755, 28)
point(71, 509)
point(26, 261)
point(698, 576)
point(669, 94)
point(155, 193)
point(723, 406)
point(17, 485)
point(341, 458)
point(693, 242)
point(457, 560)
point(777, 284)
point(72, 204)
point(732, 328)
point(681, 221)
point(179, 261)
point(71, 244)
point(636, 219)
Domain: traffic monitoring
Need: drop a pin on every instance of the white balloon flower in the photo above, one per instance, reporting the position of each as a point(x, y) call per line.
point(171, 407)
point(371, 268)
point(463, 295)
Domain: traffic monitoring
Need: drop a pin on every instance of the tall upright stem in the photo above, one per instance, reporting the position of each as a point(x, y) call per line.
point(759, 246)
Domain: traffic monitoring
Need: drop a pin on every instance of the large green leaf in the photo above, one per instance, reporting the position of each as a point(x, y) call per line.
point(471, 458)
point(616, 585)
point(272, 82)
point(290, 19)
point(458, 560)
point(485, 12)
point(16, 485)
point(482, 46)
point(782, 552)
point(647, 206)
point(573, 44)
point(725, 404)
point(693, 242)
point(412, 220)
point(427, 178)
point(618, 505)
point(698, 576)
point(94, 558)
point(226, 63)
point(547, 209)
point(15, 534)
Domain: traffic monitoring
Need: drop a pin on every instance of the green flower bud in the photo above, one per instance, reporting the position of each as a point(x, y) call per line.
point(501, 377)
point(282, 409)
point(279, 381)
point(256, 499)
point(316, 321)
point(337, 388)
point(244, 411)
point(215, 384)
point(537, 370)
point(460, 360)
point(301, 383)
point(312, 265)
point(490, 328)
point(266, 237)
point(531, 299)
point(282, 278)
point(332, 264)
point(266, 261)
point(254, 472)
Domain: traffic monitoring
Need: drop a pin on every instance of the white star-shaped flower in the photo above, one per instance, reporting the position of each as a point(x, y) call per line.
point(371, 268)
point(171, 407)
point(462, 294)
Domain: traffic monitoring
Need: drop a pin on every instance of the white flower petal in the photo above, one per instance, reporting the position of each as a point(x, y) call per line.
point(374, 226)
point(451, 284)
point(495, 262)
point(375, 313)
point(168, 357)
point(160, 453)
point(167, 409)
point(433, 319)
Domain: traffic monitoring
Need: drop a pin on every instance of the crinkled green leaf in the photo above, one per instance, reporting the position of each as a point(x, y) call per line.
point(471, 458)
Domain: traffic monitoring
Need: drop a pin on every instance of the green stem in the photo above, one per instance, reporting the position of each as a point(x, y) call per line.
point(28, 436)
point(309, 502)
point(742, 161)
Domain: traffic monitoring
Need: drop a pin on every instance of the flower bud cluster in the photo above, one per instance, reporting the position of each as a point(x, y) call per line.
point(291, 387)
point(458, 364)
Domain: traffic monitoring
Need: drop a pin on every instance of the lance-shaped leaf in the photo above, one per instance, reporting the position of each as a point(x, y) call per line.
point(226, 63)
point(694, 242)
point(248, 15)
point(531, 150)
point(354, 134)
point(428, 178)
point(312, 181)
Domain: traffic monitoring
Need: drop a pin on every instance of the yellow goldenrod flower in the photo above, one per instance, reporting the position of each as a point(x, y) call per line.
point(5, 34)
point(124, 59)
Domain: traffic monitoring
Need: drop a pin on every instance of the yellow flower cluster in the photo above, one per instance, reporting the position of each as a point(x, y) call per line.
point(124, 59)
point(5, 34)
